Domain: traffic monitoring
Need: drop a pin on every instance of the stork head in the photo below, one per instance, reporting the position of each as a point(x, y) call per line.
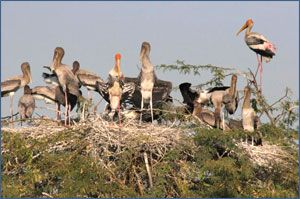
point(25, 67)
point(75, 66)
point(145, 49)
point(249, 23)
point(118, 58)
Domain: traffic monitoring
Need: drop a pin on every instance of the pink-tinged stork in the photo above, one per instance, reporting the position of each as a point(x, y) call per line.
point(259, 44)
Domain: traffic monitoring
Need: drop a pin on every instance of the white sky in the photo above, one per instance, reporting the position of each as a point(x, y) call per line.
point(199, 33)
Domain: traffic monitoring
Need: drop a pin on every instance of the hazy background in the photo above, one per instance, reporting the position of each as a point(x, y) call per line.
point(199, 33)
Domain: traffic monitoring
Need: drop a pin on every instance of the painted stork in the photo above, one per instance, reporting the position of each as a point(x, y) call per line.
point(259, 44)
point(250, 120)
point(224, 96)
point(191, 96)
point(207, 116)
point(218, 96)
point(11, 85)
point(66, 79)
point(149, 89)
point(86, 78)
point(53, 95)
point(26, 104)
point(114, 90)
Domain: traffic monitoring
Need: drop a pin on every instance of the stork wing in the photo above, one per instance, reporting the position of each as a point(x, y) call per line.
point(102, 88)
point(223, 88)
point(9, 86)
point(88, 80)
point(188, 94)
point(127, 91)
point(50, 79)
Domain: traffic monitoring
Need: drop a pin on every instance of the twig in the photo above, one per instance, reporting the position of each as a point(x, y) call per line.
point(148, 169)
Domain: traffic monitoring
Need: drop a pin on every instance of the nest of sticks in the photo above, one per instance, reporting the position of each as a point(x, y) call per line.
point(104, 139)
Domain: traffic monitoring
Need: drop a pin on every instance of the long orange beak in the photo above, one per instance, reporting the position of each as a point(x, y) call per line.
point(243, 28)
point(118, 58)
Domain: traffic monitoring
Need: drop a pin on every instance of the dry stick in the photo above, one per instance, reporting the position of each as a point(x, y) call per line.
point(260, 101)
point(8, 117)
point(148, 169)
point(138, 179)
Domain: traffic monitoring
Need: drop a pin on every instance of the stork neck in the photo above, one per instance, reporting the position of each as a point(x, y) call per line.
point(247, 100)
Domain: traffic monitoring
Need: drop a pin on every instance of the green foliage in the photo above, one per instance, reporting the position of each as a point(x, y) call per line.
point(218, 73)
point(208, 164)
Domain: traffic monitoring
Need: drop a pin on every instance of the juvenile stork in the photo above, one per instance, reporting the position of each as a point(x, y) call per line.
point(206, 116)
point(259, 44)
point(249, 118)
point(191, 96)
point(227, 96)
point(26, 104)
point(149, 89)
point(66, 79)
point(53, 95)
point(114, 90)
point(86, 78)
point(11, 85)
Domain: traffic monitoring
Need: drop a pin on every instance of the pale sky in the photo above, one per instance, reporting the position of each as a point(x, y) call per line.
point(199, 33)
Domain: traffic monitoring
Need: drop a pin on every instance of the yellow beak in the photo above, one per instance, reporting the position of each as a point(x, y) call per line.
point(243, 28)
point(118, 68)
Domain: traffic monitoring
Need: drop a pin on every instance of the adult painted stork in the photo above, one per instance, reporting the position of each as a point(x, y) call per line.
point(66, 79)
point(114, 90)
point(249, 118)
point(53, 95)
point(149, 89)
point(259, 44)
point(26, 104)
point(11, 85)
point(218, 96)
point(86, 78)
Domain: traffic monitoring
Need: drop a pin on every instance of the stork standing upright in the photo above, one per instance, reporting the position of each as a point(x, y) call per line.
point(250, 120)
point(66, 78)
point(11, 85)
point(259, 44)
point(149, 89)
point(114, 90)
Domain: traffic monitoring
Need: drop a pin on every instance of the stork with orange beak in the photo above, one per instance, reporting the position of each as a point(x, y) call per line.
point(115, 91)
point(259, 44)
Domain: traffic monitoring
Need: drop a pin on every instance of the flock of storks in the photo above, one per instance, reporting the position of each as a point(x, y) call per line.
point(140, 92)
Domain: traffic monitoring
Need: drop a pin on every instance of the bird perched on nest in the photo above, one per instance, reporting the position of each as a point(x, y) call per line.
point(26, 104)
point(218, 96)
point(11, 85)
point(149, 90)
point(249, 118)
point(114, 90)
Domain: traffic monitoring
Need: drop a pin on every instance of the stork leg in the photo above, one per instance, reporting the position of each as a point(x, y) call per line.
point(261, 70)
point(66, 108)
point(88, 94)
point(217, 117)
point(11, 110)
point(223, 118)
point(56, 111)
point(69, 114)
point(258, 61)
point(119, 111)
point(142, 106)
point(151, 107)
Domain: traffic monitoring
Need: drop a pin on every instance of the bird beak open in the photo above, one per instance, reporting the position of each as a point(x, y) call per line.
point(243, 28)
